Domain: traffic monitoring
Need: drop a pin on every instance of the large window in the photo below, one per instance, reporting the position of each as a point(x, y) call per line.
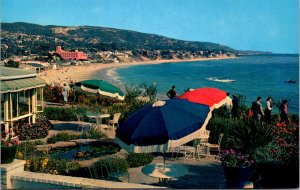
point(24, 102)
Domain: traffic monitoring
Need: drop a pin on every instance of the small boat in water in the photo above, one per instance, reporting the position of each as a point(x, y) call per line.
point(220, 80)
point(290, 81)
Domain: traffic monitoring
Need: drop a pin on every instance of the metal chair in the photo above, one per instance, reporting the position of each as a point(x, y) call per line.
point(195, 150)
point(187, 151)
point(201, 144)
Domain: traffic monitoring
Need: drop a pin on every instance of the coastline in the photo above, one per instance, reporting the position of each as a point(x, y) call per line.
point(84, 72)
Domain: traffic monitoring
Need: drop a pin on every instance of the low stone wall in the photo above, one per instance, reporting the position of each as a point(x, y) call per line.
point(8, 170)
point(13, 176)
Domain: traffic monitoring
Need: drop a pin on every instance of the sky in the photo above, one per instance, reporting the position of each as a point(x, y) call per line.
point(262, 25)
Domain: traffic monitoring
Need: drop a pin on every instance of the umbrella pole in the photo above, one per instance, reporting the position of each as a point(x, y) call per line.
point(164, 159)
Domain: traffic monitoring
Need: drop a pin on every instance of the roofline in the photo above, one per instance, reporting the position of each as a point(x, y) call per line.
point(17, 77)
point(27, 88)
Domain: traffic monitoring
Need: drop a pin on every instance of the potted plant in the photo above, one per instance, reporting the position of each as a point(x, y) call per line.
point(237, 168)
point(9, 146)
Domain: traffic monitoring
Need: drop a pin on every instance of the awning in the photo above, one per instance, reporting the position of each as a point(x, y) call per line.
point(14, 80)
point(21, 84)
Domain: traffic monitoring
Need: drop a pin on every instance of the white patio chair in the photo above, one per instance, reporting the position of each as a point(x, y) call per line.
point(187, 151)
point(201, 144)
point(216, 146)
point(114, 121)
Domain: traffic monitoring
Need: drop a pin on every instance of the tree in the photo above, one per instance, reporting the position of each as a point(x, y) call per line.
point(150, 91)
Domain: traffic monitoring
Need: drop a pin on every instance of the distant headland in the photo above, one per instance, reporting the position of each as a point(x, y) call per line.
point(105, 45)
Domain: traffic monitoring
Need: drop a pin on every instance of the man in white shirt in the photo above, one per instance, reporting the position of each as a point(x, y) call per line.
point(228, 104)
point(65, 92)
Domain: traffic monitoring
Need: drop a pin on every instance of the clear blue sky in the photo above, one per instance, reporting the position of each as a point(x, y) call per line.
point(266, 25)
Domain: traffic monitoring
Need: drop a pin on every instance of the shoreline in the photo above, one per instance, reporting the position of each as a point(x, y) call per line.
point(84, 72)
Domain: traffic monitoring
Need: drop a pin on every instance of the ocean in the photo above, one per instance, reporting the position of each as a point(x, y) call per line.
point(259, 75)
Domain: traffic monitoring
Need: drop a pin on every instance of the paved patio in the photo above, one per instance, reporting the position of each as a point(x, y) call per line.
point(204, 173)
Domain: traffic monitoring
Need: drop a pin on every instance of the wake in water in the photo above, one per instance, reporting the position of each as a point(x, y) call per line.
point(220, 80)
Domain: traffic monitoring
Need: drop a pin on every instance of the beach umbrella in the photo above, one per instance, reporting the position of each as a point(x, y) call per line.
point(163, 125)
point(213, 97)
point(100, 87)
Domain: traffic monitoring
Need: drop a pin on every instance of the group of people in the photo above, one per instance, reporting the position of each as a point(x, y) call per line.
point(258, 112)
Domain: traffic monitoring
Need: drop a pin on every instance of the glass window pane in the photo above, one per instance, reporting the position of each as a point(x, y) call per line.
point(24, 102)
point(39, 99)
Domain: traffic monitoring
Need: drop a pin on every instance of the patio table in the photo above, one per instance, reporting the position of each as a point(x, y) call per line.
point(98, 117)
point(164, 173)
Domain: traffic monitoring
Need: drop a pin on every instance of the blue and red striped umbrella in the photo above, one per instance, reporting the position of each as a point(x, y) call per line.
point(213, 97)
point(158, 127)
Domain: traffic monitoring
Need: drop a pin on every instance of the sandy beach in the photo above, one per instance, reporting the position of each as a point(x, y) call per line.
point(84, 72)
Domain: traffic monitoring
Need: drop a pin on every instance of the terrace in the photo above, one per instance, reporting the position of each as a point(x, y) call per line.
point(34, 167)
point(202, 173)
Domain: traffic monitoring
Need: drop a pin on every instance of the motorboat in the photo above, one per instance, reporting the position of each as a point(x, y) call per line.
point(290, 81)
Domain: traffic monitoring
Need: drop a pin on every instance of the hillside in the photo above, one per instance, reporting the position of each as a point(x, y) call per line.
point(26, 38)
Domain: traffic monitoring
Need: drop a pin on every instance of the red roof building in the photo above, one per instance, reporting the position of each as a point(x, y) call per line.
point(67, 55)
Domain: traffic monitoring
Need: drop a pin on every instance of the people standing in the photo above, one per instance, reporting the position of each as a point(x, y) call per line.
point(235, 107)
point(172, 93)
point(65, 92)
point(283, 110)
point(257, 109)
point(268, 109)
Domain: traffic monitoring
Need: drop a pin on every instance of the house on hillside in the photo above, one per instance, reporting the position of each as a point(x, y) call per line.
point(68, 55)
point(21, 96)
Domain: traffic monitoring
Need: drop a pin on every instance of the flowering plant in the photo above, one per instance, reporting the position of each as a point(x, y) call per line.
point(231, 158)
point(9, 140)
point(287, 143)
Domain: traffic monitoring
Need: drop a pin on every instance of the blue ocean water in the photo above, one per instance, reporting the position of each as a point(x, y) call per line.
point(261, 75)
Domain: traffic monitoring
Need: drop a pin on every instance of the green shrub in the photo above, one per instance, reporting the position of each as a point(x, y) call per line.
point(249, 135)
point(216, 126)
point(106, 165)
point(94, 134)
point(138, 159)
point(52, 166)
point(52, 94)
point(267, 153)
point(26, 149)
point(62, 114)
point(294, 118)
point(150, 91)
point(63, 136)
